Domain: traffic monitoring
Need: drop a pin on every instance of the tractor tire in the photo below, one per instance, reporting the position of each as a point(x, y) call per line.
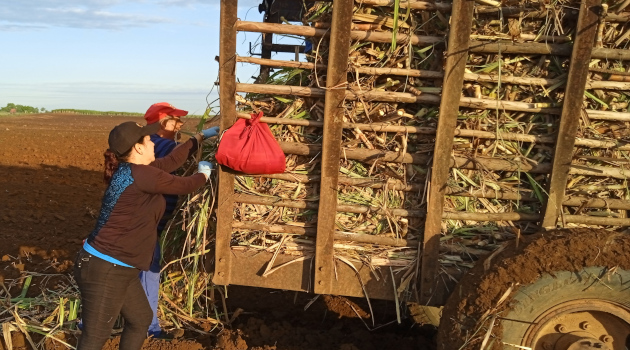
point(560, 290)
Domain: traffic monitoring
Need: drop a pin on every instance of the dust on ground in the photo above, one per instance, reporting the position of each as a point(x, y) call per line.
point(50, 192)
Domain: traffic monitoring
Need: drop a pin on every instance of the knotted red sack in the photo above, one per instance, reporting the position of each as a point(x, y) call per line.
point(248, 146)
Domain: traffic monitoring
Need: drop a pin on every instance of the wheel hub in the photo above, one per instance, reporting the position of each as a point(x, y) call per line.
point(588, 344)
point(580, 325)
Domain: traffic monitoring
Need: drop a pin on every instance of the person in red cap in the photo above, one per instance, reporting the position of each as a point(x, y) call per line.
point(165, 140)
point(122, 242)
point(168, 117)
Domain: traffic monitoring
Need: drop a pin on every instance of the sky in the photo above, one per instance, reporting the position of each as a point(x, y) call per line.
point(115, 55)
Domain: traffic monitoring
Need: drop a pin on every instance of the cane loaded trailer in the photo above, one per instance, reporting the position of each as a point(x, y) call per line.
point(465, 154)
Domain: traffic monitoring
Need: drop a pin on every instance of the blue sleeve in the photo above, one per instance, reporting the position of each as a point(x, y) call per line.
point(163, 146)
point(176, 158)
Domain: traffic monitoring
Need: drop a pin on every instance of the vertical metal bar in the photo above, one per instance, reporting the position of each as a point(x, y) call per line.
point(331, 144)
point(456, 56)
point(590, 11)
point(267, 39)
point(227, 81)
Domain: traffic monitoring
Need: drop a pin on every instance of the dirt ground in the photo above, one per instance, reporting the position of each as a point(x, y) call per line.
point(50, 192)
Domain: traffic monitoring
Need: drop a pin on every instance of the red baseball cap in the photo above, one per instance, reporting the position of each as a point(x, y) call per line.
point(161, 110)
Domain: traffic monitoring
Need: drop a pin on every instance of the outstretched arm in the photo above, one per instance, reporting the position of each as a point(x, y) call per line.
point(153, 180)
point(178, 156)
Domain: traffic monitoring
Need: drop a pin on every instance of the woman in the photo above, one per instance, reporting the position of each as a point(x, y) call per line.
point(123, 240)
point(165, 141)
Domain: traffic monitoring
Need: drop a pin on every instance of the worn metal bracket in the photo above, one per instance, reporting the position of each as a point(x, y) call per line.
point(456, 56)
point(225, 193)
point(588, 20)
point(337, 77)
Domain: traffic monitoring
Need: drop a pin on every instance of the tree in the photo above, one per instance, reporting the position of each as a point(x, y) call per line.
point(19, 108)
point(8, 108)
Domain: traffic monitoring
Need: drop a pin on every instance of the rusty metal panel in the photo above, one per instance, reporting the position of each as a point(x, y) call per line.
point(297, 275)
point(589, 17)
point(456, 56)
point(350, 283)
point(252, 264)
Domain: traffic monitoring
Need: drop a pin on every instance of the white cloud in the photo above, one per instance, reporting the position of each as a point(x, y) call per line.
point(95, 14)
point(244, 6)
point(189, 2)
point(19, 27)
point(241, 3)
point(23, 15)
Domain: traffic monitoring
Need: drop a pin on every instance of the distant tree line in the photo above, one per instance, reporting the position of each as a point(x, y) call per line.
point(91, 112)
point(108, 113)
point(12, 107)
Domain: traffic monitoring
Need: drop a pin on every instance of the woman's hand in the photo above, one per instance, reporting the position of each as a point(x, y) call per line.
point(205, 168)
point(210, 132)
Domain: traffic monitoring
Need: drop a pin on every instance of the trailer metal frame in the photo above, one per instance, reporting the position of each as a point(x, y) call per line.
point(320, 273)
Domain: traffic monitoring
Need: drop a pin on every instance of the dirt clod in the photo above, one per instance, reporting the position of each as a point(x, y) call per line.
point(156, 344)
point(231, 340)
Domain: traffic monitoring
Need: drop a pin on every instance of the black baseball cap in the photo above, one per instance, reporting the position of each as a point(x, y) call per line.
point(124, 136)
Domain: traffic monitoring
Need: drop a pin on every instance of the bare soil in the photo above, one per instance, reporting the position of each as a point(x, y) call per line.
point(50, 192)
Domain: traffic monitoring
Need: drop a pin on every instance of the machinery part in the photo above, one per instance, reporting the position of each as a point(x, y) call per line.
point(528, 298)
point(555, 309)
point(588, 344)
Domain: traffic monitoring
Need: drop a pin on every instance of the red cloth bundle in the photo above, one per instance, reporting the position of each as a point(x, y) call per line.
point(248, 146)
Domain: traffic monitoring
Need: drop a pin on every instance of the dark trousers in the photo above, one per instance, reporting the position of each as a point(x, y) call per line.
point(108, 290)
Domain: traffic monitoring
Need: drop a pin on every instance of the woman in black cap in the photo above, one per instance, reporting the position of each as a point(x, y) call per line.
point(122, 242)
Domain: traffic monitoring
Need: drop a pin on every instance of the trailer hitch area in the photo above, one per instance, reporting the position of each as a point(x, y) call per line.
point(588, 344)
point(582, 324)
point(575, 340)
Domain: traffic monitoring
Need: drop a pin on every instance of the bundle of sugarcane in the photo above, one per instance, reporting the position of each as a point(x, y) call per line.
point(508, 98)
point(188, 299)
point(512, 98)
point(541, 79)
point(606, 120)
point(375, 198)
point(521, 96)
